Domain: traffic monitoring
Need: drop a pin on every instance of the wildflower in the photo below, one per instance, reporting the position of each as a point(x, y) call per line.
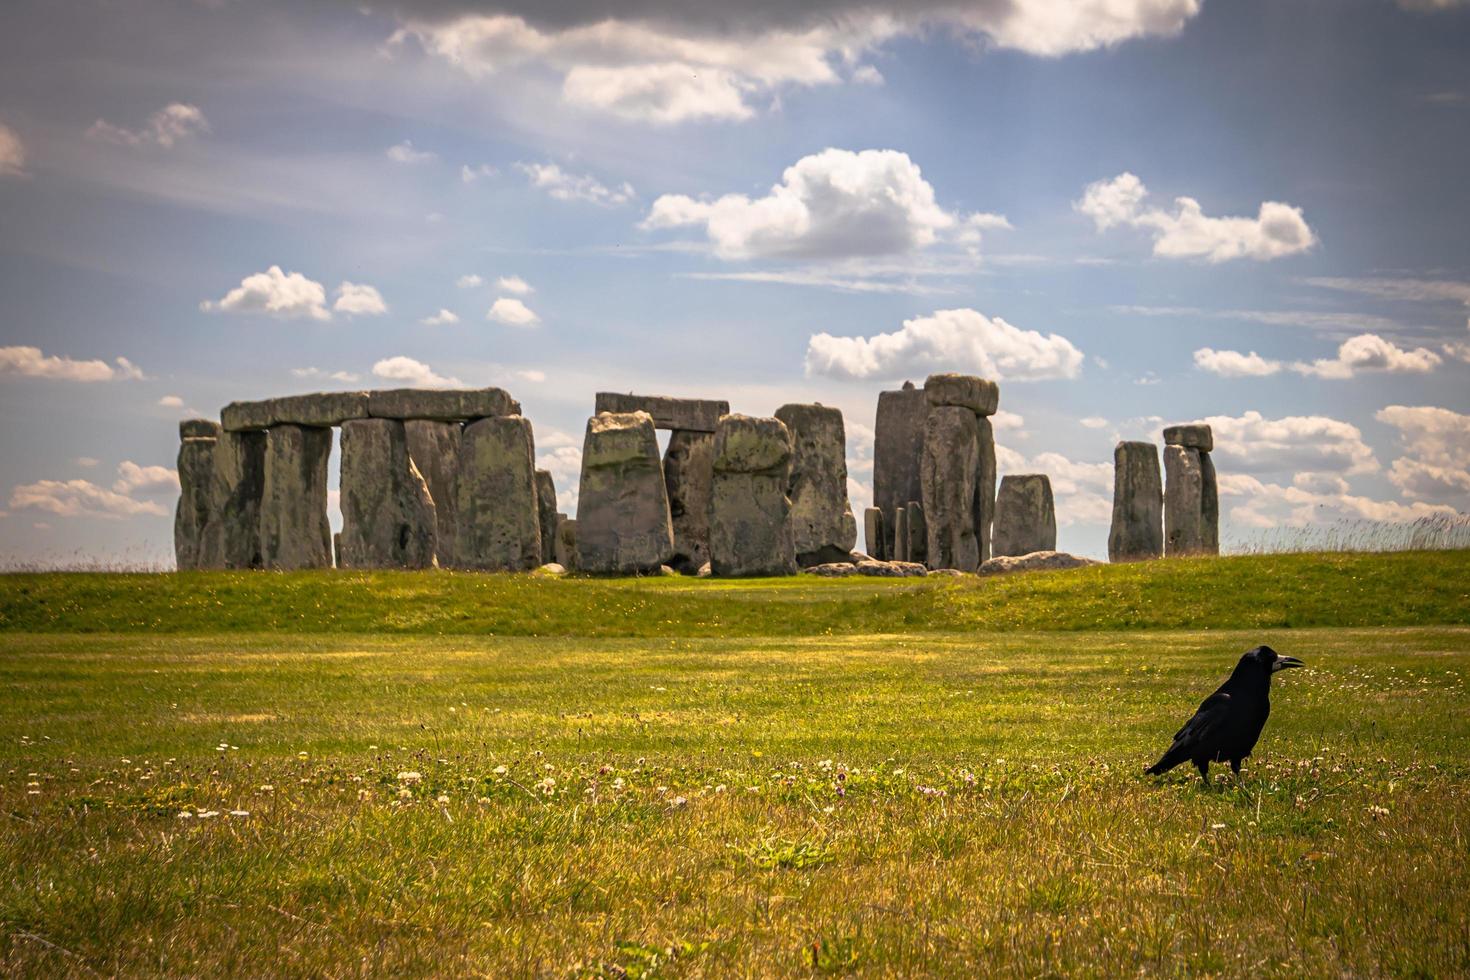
point(185, 814)
point(501, 770)
point(484, 801)
point(206, 814)
point(1377, 812)
point(302, 755)
point(1217, 826)
point(720, 788)
point(410, 777)
point(828, 809)
point(825, 764)
point(239, 813)
point(547, 786)
point(267, 788)
point(405, 793)
point(678, 801)
point(442, 798)
point(364, 794)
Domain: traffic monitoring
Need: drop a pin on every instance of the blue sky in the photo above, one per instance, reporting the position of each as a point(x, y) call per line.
point(748, 202)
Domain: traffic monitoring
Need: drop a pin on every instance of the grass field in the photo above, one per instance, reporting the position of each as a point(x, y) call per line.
point(347, 775)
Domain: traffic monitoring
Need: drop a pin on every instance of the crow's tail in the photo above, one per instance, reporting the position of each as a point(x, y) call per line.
point(1170, 759)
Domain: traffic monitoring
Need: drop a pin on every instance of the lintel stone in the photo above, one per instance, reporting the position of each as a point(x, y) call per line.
point(963, 391)
point(199, 429)
point(689, 414)
point(319, 410)
point(441, 405)
point(1194, 435)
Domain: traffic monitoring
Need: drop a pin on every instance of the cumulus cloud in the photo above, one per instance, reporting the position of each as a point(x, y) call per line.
point(358, 299)
point(171, 401)
point(563, 186)
point(832, 204)
point(1234, 364)
point(415, 373)
point(563, 460)
point(29, 362)
point(440, 319)
point(664, 62)
point(1276, 231)
point(469, 174)
point(1370, 352)
point(1254, 503)
point(469, 281)
point(132, 478)
point(515, 285)
point(174, 122)
point(1294, 444)
point(81, 498)
point(12, 153)
point(512, 312)
point(1094, 422)
point(1436, 443)
point(317, 374)
point(277, 294)
point(948, 340)
point(406, 153)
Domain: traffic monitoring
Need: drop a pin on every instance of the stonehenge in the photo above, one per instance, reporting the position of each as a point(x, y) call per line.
point(750, 514)
point(898, 446)
point(822, 526)
point(546, 514)
point(873, 532)
point(388, 518)
point(1137, 530)
point(623, 522)
point(294, 531)
point(498, 525)
point(957, 470)
point(433, 446)
point(232, 536)
point(1191, 496)
point(1025, 516)
point(196, 476)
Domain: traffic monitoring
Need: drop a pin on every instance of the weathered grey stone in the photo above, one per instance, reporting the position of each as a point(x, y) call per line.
point(688, 414)
point(951, 488)
point(705, 571)
point(441, 405)
point(1209, 506)
point(1035, 562)
point(839, 569)
point(623, 523)
point(898, 447)
point(232, 537)
point(546, 514)
point(901, 537)
point(1137, 531)
point(963, 391)
point(689, 469)
point(891, 569)
point(1193, 435)
point(566, 541)
point(294, 532)
point(1025, 516)
point(552, 568)
point(918, 533)
point(1183, 501)
point(873, 537)
point(750, 514)
point(498, 527)
point(947, 573)
point(985, 485)
point(434, 449)
point(322, 409)
point(192, 515)
point(822, 525)
point(199, 429)
point(388, 516)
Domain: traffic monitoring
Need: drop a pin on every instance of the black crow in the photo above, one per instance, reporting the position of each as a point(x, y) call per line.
point(1228, 722)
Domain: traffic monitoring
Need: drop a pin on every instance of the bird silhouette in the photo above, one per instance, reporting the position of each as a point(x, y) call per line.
point(1228, 722)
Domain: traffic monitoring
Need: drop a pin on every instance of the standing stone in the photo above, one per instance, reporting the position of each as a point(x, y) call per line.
point(985, 485)
point(1137, 531)
point(951, 487)
point(1209, 506)
point(192, 516)
point(546, 514)
point(901, 537)
point(822, 525)
point(232, 539)
point(1183, 501)
point(1197, 438)
point(623, 523)
point(1025, 516)
point(434, 448)
point(917, 547)
point(873, 538)
point(898, 448)
point(689, 468)
point(388, 518)
point(750, 514)
point(294, 531)
point(566, 542)
point(498, 526)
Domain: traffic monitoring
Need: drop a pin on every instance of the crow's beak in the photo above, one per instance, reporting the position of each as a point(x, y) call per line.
point(1284, 662)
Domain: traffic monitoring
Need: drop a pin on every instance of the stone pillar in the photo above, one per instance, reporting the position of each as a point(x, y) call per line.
point(951, 476)
point(1209, 506)
point(985, 486)
point(232, 539)
point(197, 441)
point(1191, 496)
point(901, 539)
point(1025, 516)
point(546, 514)
point(623, 523)
point(688, 472)
point(388, 518)
point(917, 547)
point(566, 542)
point(498, 526)
point(294, 531)
point(434, 448)
point(750, 514)
point(873, 536)
point(822, 526)
point(1137, 531)
point(898, 447)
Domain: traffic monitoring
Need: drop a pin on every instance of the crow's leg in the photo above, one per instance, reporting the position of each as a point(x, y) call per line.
point(1204, 770)
point(1235, 768)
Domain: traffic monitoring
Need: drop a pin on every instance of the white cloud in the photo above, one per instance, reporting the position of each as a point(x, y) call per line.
point(1094, 422)
point(359, 300)
point(405, 153)
point(1437, 446)
point(174, 122)
point(832, 204)
point(1370, 352)
point(512, 312)
point(514, 284)
point(171, 401)
point(469, 281)
point(29, 362)
point(1234, 364)
point(87, 462)
point(1083, 492)
point(442, 318)
point(948, 340)
point(275, 293)
point(12, 153)
point(1266, 505)
point(415, 373)
point(563, 186)
point(132, 478)
point(1277, 230)
point(317, 374)
point(564, 462)
point(1290, 445)
point(81, 498)
point(469, 174)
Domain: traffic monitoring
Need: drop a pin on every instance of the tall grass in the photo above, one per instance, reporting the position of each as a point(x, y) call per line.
point(1436, 532)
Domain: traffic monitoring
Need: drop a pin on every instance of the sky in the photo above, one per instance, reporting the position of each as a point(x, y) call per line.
point(1129, 213)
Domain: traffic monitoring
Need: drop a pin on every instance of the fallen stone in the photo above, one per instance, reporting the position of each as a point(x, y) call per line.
point(320, 410)
point(623, 522)
point(388, 518)
point(822, 525)
point(566, 541)
point(750, 514)
point(837, 569)
point(705, 571)
point(498, 527)
point(891, 569)
point(667, 571)
point(873, 538)
point(963, 391)
point(951, 490)
point(441, 405)
point(1193, 435)
point(232, 538)
point(546, 513)
point(947, 572)
point(1183, 501)
point(853, 557)
point(1035, 562)
point(294, 531)
point(689, 469)
point(192, 515)
point(434, 449)
point(686, 414)
point(552, 568)
point(199, 429)
point(898, 448)
point(1025, 516)
point(917, 549)
point(1137, 530)
point(1209, 506)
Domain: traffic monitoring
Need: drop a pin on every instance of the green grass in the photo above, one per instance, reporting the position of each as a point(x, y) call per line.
point(925, 798)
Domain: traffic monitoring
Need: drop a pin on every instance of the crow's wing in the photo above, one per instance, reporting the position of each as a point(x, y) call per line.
point(1199, 732)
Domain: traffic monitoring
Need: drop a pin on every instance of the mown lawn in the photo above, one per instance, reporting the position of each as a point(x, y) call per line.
point(881, 803)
